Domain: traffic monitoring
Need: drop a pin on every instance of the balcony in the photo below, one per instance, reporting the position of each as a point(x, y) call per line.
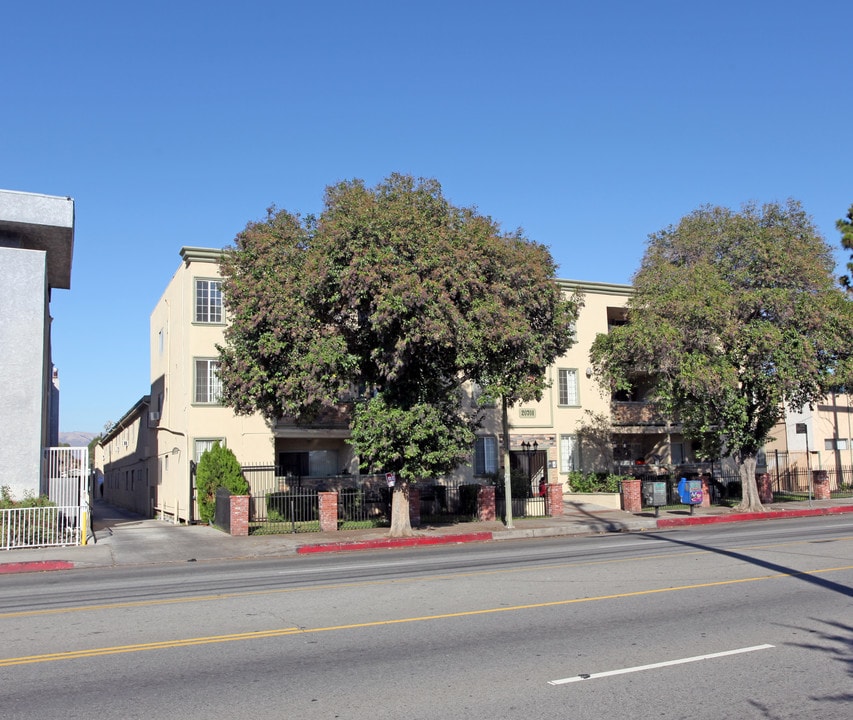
point(637, 414)
point(334, 421)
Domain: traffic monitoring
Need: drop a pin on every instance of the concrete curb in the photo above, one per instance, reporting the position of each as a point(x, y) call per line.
point(36, 566)
point(740, 517)
point(393, 543)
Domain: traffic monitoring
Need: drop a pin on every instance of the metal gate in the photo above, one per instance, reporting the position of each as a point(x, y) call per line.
point(61, 514)
point(65, 481)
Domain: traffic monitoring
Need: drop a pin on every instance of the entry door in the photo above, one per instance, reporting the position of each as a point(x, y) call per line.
point(293, 463)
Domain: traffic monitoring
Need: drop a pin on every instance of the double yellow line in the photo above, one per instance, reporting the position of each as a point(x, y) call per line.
point(284, 632)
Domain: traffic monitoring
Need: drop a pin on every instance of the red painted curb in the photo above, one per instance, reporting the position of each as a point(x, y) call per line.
point(35, 566)
point(393, 543)
point(771, 515)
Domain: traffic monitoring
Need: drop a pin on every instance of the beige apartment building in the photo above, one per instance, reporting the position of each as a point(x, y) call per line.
point(816, 438)
point(149, 457)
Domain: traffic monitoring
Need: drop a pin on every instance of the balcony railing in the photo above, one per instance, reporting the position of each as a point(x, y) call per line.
point(636, 413)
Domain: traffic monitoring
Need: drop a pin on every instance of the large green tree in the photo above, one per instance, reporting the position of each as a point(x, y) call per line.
point(396, 291)
point(735, 315)
point(845, 227)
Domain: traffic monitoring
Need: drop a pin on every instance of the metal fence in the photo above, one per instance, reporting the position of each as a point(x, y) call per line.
point(284, 504)
point(790, 484)
point(41, 526)
point(62, 512)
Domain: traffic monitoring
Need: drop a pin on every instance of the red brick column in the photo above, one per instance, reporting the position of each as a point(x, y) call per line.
point(328, 511)
point(486, 503)
point(555, 499)
point(706, 490)
point(414, 506)
point(239, 515)
point(820, 478)
point(765, 488)
point(632, 496)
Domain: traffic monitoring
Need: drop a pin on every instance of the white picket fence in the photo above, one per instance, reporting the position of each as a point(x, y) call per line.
point(65, 521)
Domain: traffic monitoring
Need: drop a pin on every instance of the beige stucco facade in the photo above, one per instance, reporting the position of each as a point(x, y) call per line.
point(126, 462)
point(818, 437)
point(169, 429)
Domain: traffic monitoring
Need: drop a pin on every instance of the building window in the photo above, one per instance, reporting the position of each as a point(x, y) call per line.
point(478, 399)
point(202, 445)
point(208, 387)
point(569, 459)
point(568, 387)
point(208, 301)
point(486, 455)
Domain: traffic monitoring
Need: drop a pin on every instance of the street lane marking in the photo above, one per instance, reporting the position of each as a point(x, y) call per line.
point(449, 575)
point(280, 632)
point(653, 666)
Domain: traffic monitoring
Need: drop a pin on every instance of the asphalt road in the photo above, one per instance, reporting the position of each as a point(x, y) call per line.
point(746, 621)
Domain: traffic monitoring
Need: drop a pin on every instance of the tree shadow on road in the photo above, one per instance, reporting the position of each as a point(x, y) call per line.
point(837, 636)
point(807, 576)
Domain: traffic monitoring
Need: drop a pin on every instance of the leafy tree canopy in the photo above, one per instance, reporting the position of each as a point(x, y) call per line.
point(845, 227)
point(734, 316)
point(396, 291)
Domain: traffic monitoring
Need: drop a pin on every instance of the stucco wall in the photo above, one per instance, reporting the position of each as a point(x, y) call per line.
point(23, 299)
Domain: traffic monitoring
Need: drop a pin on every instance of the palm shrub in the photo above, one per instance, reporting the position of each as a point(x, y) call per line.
point(217, 467)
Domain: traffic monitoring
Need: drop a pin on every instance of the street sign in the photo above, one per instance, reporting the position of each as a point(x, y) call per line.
point(800, 429)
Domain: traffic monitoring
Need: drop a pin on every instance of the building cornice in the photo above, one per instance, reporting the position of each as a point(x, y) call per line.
point(598, 288)
point(200, 254)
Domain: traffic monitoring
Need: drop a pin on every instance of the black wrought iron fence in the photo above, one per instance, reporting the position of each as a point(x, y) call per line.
point(790, 484)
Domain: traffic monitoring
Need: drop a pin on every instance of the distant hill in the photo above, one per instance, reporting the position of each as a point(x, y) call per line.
point(76, 438)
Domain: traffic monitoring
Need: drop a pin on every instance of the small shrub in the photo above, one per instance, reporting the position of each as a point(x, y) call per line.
point(217, 467)
point(581, 482)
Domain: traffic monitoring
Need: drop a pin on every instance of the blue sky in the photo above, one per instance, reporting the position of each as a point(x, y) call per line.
point(588, 124)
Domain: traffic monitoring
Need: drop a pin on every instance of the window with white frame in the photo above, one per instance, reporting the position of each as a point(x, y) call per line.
point(208, 387)
point(568, 386)
point(208, 301)
point(486, 455)
point(202, 445)
point(569, 455)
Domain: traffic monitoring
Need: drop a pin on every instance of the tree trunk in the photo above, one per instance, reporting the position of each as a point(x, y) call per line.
point(401, 523)
point(750, 502)
point(507, 474)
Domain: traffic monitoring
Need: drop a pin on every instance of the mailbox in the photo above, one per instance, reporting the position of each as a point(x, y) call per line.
point(654, 493)
point(690, 491)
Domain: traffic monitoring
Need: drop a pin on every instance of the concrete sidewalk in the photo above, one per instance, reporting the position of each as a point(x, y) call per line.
point(121, 538)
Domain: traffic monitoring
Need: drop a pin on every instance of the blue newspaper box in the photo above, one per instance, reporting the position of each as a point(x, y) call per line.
point(690, 491)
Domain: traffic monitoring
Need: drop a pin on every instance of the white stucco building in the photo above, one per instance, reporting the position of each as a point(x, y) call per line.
point(36, 249)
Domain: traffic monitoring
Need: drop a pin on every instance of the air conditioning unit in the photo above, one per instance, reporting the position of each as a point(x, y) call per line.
point(153, 417)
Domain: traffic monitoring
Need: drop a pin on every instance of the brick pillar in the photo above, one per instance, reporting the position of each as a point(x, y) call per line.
point(328, 511)
point(820, 478)
point(239, 515)
point(414, 506)
point(765, 488)
point(486, 503)
point(632, 496)
point(706, 490)
point(555, 499)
